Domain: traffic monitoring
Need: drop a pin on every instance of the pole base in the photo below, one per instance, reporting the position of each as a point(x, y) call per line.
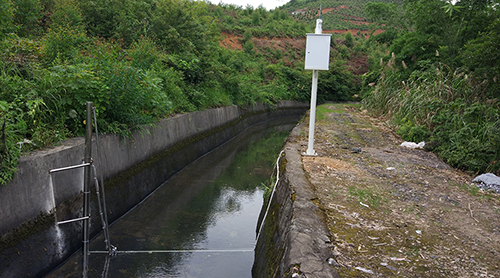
point(310, 153)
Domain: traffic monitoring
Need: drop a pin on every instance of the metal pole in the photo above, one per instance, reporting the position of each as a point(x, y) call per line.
point(312, 114)
point(314, 92)
point(86, 189)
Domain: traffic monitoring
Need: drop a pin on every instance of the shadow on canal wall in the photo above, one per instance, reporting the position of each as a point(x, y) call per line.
point(294, 239)
point(31, 244)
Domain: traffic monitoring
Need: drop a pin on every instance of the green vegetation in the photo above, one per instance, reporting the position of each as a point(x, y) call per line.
point(433, 72)
point(365, 195)
point(440, 81)
point(139, 61)
point(336, 14)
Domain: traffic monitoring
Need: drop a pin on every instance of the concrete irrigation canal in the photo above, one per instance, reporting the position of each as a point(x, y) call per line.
point(198, 222)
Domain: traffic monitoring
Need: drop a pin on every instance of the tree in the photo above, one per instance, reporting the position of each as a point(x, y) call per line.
point(349, 42)
point(6, 17)
point(482, 56)
point(26, 16)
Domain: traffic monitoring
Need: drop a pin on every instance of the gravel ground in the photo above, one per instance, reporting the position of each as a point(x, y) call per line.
point(394, 211)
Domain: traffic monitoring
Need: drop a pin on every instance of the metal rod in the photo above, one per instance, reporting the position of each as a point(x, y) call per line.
point(86, 187)
point(173, 251)
point(104, 222)
point(68, 168)
point(106, 229)
point(72, 220)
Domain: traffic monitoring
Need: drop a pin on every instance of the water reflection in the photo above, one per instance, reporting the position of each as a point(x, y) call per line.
point(213, 204)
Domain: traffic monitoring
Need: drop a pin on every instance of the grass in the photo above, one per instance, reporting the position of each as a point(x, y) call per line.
point(365, 195)
point(476, 191)
point(321, 112)
point(446, 108)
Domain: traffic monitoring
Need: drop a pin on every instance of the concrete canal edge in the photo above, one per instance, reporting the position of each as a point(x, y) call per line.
point(294, 241)
point(31, 244)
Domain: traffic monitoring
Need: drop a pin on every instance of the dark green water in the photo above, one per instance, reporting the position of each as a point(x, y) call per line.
point(212, 206)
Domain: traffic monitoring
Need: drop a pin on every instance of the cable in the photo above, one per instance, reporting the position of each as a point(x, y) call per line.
point(271, 198)
point(111, 248)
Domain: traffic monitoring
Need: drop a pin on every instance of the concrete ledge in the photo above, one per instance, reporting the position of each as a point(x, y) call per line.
point(294, 237)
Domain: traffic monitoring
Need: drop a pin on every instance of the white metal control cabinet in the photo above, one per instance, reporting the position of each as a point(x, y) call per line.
point(317, 51)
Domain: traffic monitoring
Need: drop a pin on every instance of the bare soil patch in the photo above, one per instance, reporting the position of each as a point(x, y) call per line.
point(394, 211)
point(327, 10)
point(230, 41)
point(353, 31)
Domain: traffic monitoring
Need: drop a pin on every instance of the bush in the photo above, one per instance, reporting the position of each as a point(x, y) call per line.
point(411, 133)
point(62, 43)
point(6, 17)
point(20, 109)
point(449, 108)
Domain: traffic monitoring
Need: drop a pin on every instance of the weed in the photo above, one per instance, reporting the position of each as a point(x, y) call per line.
point(321, 111)
point(446, 107)
point(365, 195)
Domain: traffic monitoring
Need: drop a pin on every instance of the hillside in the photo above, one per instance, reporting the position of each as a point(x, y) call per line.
point(341, 15)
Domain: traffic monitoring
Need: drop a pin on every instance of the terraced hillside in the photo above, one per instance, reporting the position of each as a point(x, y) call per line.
point(336, 15)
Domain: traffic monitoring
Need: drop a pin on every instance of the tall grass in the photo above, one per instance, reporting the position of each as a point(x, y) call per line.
point(445, 107)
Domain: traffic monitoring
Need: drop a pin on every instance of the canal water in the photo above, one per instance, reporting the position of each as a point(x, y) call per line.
point(199, 223)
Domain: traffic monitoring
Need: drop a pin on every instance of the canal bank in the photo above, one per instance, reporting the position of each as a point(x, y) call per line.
point(32, 244)
point(294, 240)
point(389, 210)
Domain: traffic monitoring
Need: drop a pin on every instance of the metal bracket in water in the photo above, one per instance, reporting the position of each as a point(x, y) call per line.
point(64, 169)
point(72, 220)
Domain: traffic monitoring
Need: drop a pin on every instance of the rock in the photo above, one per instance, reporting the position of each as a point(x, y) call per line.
point(487, 182)
point(331, 261)
point(364, 270)
point(356, 150)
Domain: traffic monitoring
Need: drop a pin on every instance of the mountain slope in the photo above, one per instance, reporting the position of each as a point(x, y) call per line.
point(335, 14)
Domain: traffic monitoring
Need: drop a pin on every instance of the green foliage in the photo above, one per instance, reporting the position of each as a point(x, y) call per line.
point(412, 133)
point(62, 43)
point(342, 14)
point(446, 107)
point(337, 84)
point(20, 109)
point(248, 47)
point(349, 41)
point(66, 90)
point(365, 195)
point(456, 110)
point(26, 17)
point(141, 60)
point(9, 152)
point(275, 23)
point(19, 56)
point(6, 17)
point(481, 55)
point(471, 134)
point(66, 13)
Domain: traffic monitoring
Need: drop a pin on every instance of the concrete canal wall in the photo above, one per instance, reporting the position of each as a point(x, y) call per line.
point(294, 241)
point(31, 244)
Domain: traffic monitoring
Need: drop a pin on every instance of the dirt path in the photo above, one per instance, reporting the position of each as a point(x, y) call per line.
point(394, 211)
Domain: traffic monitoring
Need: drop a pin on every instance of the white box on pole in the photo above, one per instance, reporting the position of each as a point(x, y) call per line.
point(318, 51)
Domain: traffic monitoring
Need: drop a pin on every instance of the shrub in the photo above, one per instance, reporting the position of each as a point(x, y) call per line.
point(446, 106)
point(349, 41)
point(19, 115)
point(410, 132)
point(6, 17)
point(62, 43)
